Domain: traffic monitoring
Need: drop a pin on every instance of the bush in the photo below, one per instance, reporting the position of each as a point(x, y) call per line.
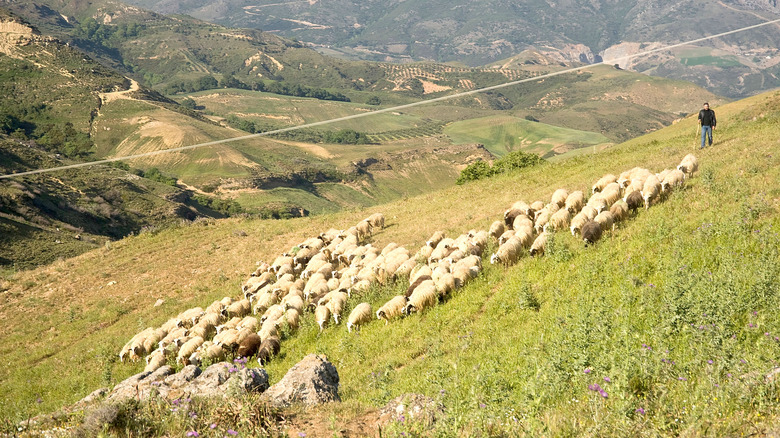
point(513, 161)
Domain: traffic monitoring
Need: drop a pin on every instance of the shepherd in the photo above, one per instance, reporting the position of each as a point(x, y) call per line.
point(707, 122)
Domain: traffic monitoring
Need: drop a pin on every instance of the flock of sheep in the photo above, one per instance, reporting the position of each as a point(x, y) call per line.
point(324, 272)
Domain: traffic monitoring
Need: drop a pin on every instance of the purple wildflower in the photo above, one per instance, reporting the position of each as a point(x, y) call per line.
point(607, 379)
point(682, 379)
point(766, 333)
point(232, 432)
point(728, 375)
point(640, 411)
point(743, 360)
point(301, 434)
point(603, 393)
point(482, 406)
point(595, 387)
point(586, 371)
point(213, 426)
point(709, 361)
point(193, 433)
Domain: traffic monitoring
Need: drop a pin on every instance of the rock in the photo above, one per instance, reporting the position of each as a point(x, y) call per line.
point(415, 407)
point(186, 375)
point(93, 396)
point(772, 375)
point(249, 380)
point(310, 382)
point(159, 302)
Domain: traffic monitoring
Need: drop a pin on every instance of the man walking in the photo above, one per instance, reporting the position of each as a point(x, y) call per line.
point(707, 122)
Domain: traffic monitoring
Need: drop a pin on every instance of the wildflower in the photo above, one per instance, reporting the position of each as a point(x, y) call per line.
point(192, 414)
point(709, 361)
point(213, 426)
point(607, 379)
point(482, 406)
point(232, 432)
point(682, 379)
point(193, 433)
point(640, 411)
point(586, 371)
point(728, 375)
point(751, 325)
point(766, 333)
point(743, 360)
point(595, 387)
point(603, 393)
point(301, 434)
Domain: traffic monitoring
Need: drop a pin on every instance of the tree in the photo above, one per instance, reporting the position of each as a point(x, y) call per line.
point(189, 103)
point(474, 171)
point(374, 100)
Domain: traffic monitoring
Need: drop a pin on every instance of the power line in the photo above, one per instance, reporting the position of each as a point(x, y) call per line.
point(386, 110)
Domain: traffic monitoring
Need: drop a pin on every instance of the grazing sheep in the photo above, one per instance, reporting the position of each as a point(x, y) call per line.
point(292, 301)
point(610, 194)
point(434, 240)
point(360, 315)
point(214, 353)
point(405, 269)
point(171, 325)
point(272, 314)
point(675, 178)
point(392, 309)
point(228, 339)
point(155, 360)
point(575, 201)
point(689, 165)
point(377, 220)
point(559, 197)
point(536, 206)
point(292, 317)
point(634, 200)
point(526, 236)
point(606, 220)
point(508, 234)
point(205, 331)
point(249, 345)
point(598, 202)
point(589, 211)
point(190, 317)
point(522, 222)
point(264, 301)
point(253, 284)
point(268, 330)
point(187, 349)
point(322, 315)
point(578, 222)
point(417, 281)
point(603, 181)
point(508, 253)
point(249, 322)
point(336, 306)
point(651, 190)
point(541, 219)
point(539, 244)
point(559, 221)
point(240, 309)
point(497, 228)
point(619, 210)
point(423, 297)
point(445, 284)
point(424, 253)
point(591, 232)
point(364, 230)
point(268, 349)
point(510, 216)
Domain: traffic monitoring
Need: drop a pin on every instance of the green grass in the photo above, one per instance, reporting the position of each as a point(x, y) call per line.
point(507, 354)
point(504, 134)
point(716, 61)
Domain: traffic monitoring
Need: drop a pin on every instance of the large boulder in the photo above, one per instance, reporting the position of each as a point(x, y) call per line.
point(312, 381)
point(220, 379)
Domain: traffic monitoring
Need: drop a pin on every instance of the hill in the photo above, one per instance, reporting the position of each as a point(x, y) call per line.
point(487, 32)
point(671, 313)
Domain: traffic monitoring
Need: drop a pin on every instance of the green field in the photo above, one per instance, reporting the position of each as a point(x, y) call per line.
point(716, 61)
point(672, 314)
point(502, 135)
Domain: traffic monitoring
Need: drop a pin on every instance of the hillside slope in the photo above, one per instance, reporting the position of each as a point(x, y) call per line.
point(672, 313)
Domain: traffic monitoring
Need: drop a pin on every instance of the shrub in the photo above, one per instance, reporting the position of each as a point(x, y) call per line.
point(513, 161)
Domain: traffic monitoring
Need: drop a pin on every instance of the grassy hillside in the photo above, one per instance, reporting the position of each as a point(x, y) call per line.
point(675, 307)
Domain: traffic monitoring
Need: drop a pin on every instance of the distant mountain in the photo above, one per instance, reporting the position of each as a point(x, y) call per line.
point(480, 33)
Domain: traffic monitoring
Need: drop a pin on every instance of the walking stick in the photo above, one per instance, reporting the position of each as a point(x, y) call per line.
point(696, 136)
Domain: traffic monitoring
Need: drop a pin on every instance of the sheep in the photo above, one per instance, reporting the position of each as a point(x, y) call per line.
point(689, 165)
point(190, 317)
point(227, 339)
point(510, 216)
point(610, 194)
point(508, 234)
point(662, 174)
point(539, 245)
point(559, 197)
point(187, 349)
point(322, 315)
point(205, 331)
point(214, 319)
point(151, 339)
point(253, 285)
point(619, 210)
point(589, 211)
point(526, 236)
point(249, 322)
point(292, 317)
point(508, 253)
point(292, 301)
point(336, 306)
point(536, 206)
point(269, 348)
point(541, 219)
point(392, 309)
point(377, 220)
point(575, 201)
point(424, 253)
point(171, 325)
point(522, 222)
point(606, 220)
point(598, 202)
point(675, 178)
point(423, 297)
point(249, 345)
point(417, 281)
point(264, 301)
point(634, 200)
point(603, 181)
point(156, 360)
point(559, 221)
point(364, 230)
point(272, 314)
point(578, 222)
point(591, 232)
point(360, 315)
point(497, 228)
point(462, 274)
point(445, 284)
point(405, 268)
point(268, 330)
point(651, 190)
point(434, 240)
point(330, 235)
point(240, 308)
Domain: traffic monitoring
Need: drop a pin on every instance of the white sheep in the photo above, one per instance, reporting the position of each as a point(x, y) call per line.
point(606, 220)
point(508, 253)
point(321, 316)
point(360, 315)
point(651, 190)
point(689, 165)
point(559, 221)
point(392, 309)
point(539, 245)
point(603, 181)
point(674, 179)
point(575, 201)
point(619, 211)
point(187, 349)
point(559, 197)
point(377, 220)
point(424, 296)
point(497, 228)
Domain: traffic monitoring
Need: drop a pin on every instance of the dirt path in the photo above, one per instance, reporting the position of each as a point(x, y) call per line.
point(114, 95)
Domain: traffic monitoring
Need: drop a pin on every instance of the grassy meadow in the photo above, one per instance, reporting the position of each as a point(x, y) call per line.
point(672, 315)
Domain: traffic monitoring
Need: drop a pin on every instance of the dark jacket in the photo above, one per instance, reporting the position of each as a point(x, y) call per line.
point(707, 118)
